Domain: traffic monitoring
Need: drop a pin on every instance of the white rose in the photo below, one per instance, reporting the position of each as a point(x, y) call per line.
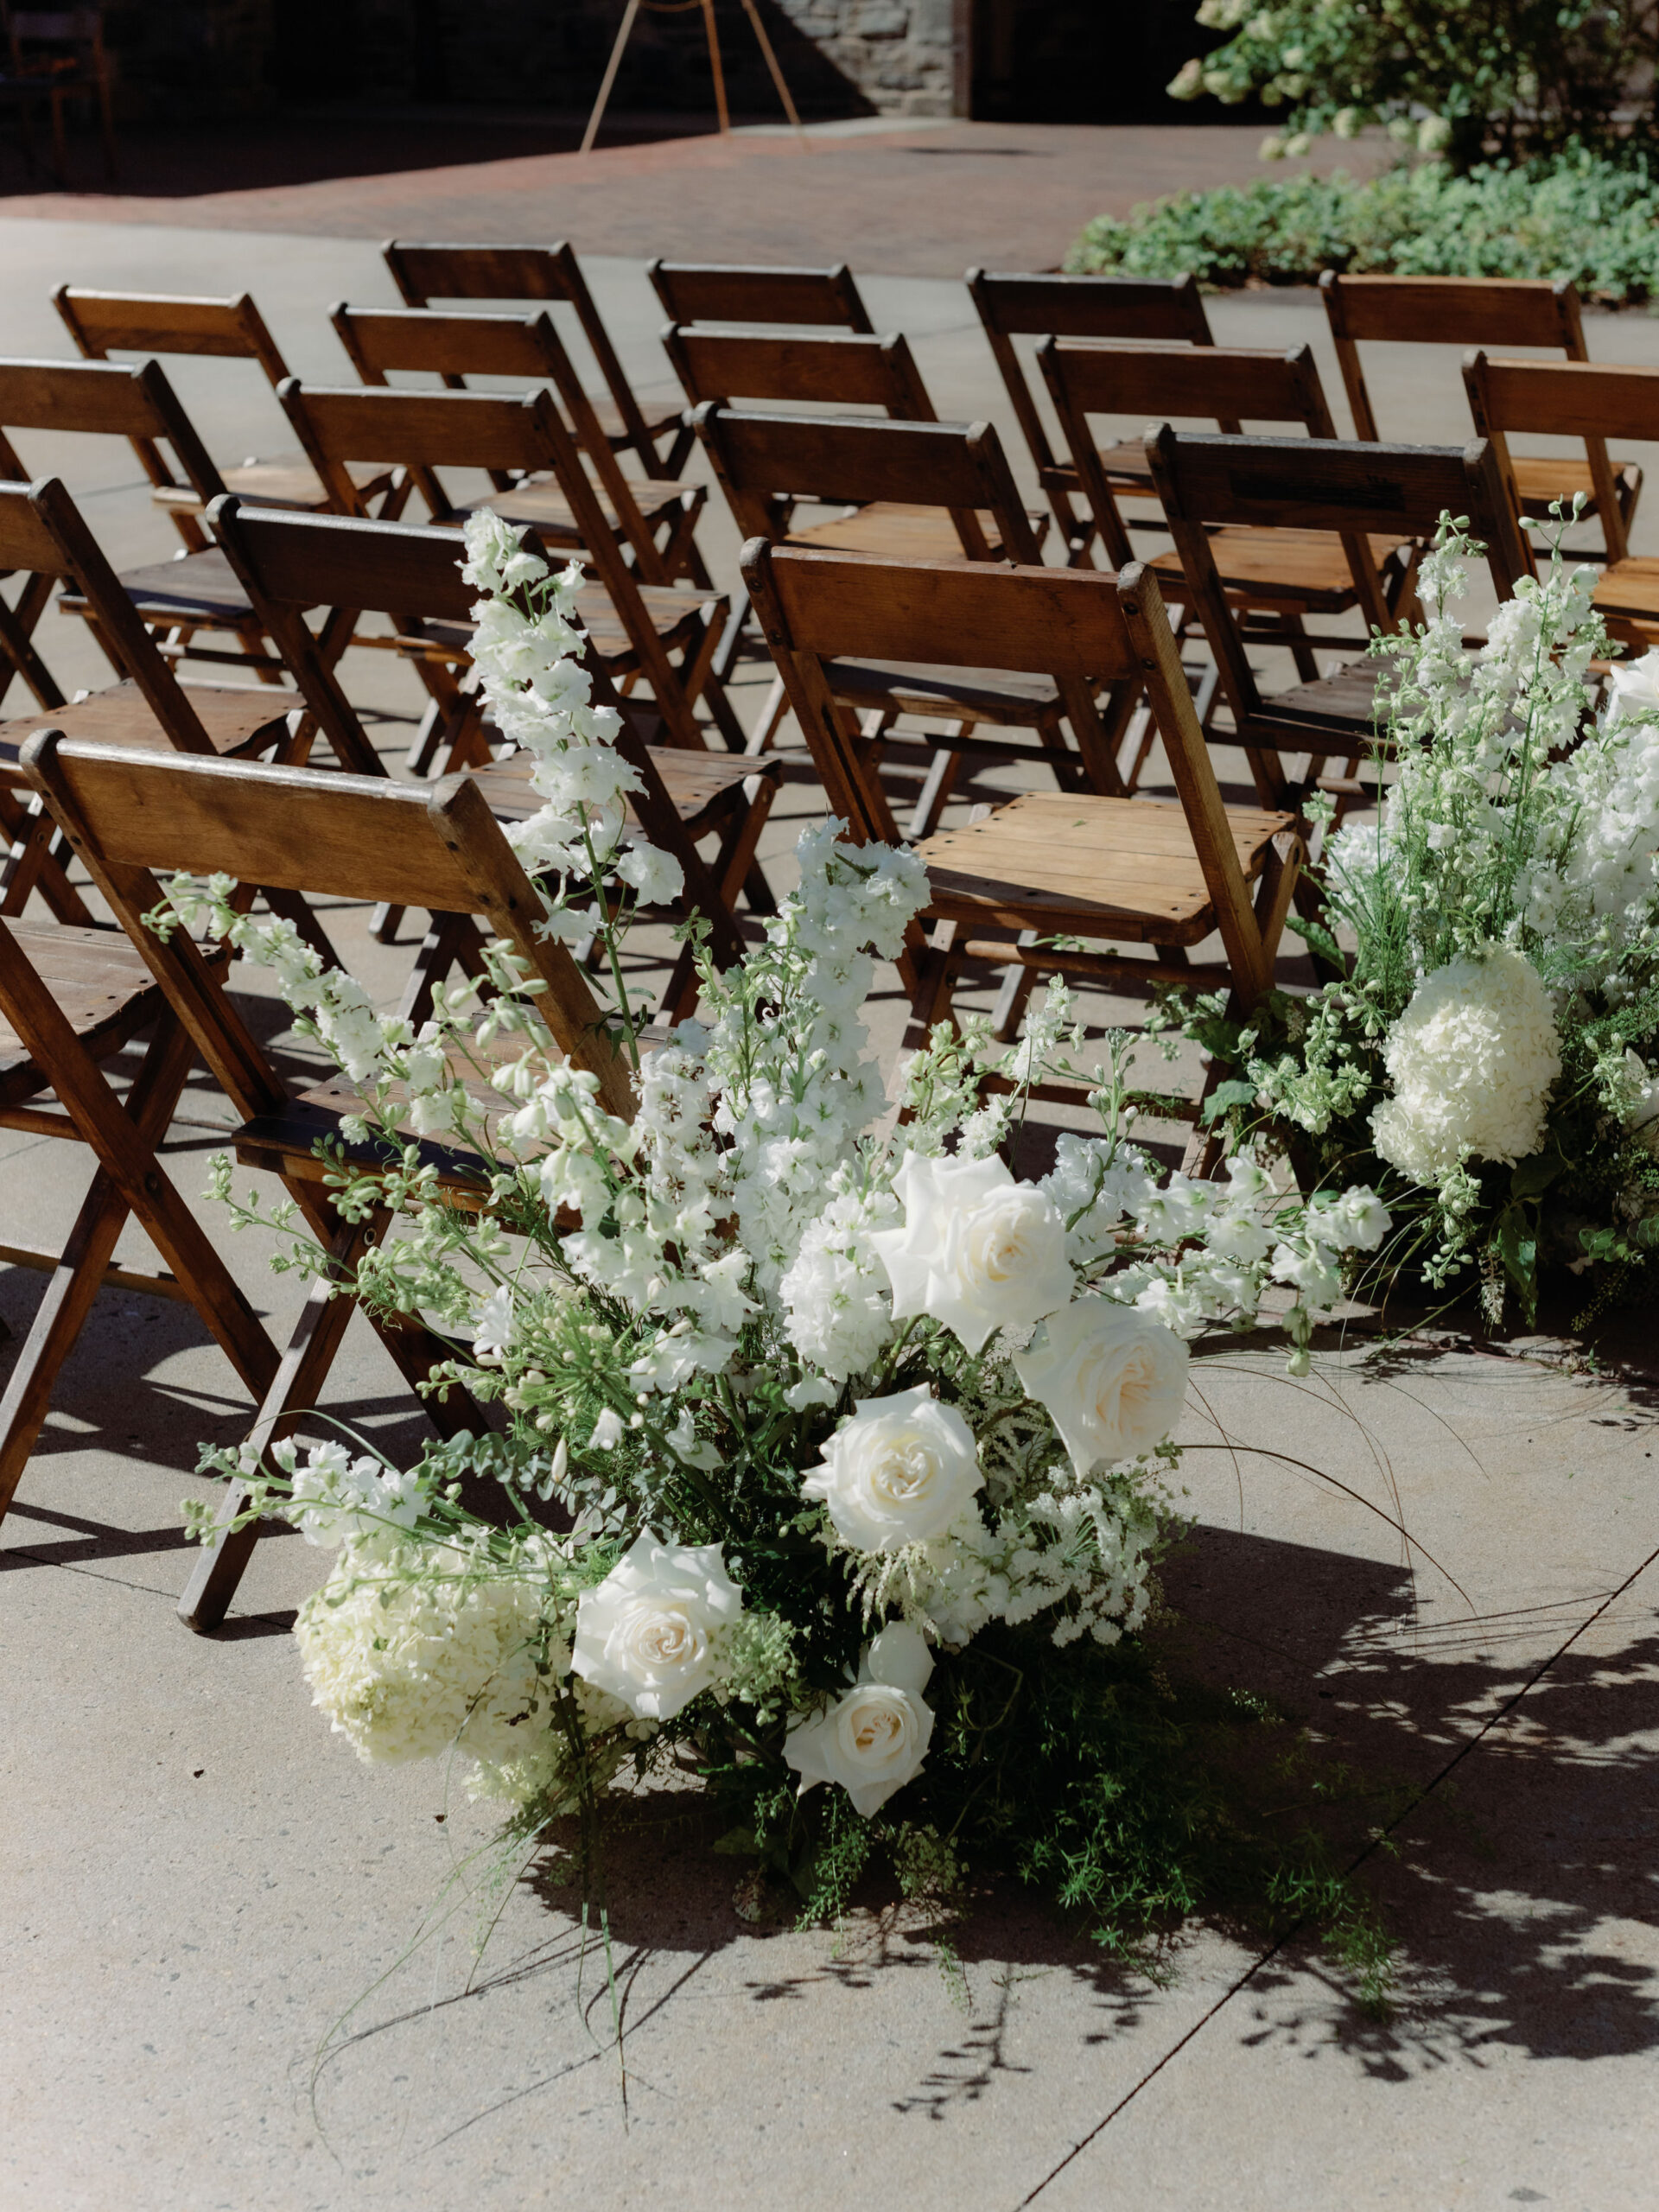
point(647, 1634)
point(1111, 1377)
point(1633, 690)
point(901, 1470)
point(978, 1251)
point(874, 1739)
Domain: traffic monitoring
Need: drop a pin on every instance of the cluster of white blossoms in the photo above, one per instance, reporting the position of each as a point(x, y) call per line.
point(747, 1324)
point(1473, 1060)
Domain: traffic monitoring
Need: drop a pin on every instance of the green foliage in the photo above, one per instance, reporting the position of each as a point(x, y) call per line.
point(1510, 76)
point(1574, 215)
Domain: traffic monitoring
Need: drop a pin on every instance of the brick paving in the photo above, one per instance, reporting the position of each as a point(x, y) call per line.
point(919, 200)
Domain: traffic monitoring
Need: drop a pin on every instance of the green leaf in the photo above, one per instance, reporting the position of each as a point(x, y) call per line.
point(1534, 1176)
point(1223, 1098)
point(738, 1843)
point(1318, 939)
point(1517, 1239)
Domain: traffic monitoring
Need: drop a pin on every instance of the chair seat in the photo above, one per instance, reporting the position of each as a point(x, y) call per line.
point(1302, 568)
point(703, 786)
point(1627, 592)
point(544, 507)
point(201, 590)
point(1009, 697)
point(671, 611)
point(282, 1141)
point(286, 479)
point(1542, 478)
point(1348, 693)
point(898, 531)
point(237, 719)
point(102, 986)
point(1118, 868)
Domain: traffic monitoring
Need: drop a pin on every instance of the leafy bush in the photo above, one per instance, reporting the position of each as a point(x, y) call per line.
point(1572, 215)
point(1515, 77)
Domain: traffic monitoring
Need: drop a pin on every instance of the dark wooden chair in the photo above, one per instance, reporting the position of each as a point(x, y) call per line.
point(132, 815)
point(71, 999)
point(1275, 578)
point(1348, 491)
point(1592, 402)
point(291, 563)
point(384, 342)
point(759, 460)
point(1011, 306)
point(636, 628)
point(178, 598)
point(1486, 311)
point(512, 275)
point(103, 323)
point(54, 56)
point(708, 291)
point(42, 533)
point(1045, 866)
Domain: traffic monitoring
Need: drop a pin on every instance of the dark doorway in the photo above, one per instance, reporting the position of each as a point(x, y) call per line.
point(1081, 60)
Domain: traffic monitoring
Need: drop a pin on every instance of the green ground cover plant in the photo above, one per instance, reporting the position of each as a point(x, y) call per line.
point(1577, 215)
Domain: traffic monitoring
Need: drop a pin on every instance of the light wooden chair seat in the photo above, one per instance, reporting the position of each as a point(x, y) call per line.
point(1627, 592)
point(236, 718)
point(286, 479)
point(1348, 692)
point(701, 785)
point(898, 531)
point(199, 588)
point(998, 695)
point(103, 989)
point(1541, 479)
point(1306, 570)
point(544, 508)
point(1115, 867)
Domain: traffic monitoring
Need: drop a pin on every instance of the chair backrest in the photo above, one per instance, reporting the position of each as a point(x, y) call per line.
point(816, 606)
point(763, 460)
point(1237, 383)
point(427, 430)
point(748, 365)
point(1015, 306)
point(289, 562)
point(132, 815)
point(1573, 399)
point(43, 530)
point(707, 291)
point(1444, 311)
point(107, 399)
point(1350, 490)
point(102, 323)
point(388, 342)
point(506, 273)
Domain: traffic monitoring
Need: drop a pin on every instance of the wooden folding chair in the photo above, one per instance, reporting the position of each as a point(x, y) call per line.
point(509, 275)
point(1275, 578)
point(131, 815)
point(708, 291)
point(103, 323)
point(1587, 400)
point(1501, 311)
point(1351, 492)
point(42, 533)
point(292, 562)
point(382, 342)
point(106, 399)
point(635, 627)
point(71, 998)
point(1012, 306)
point(1046, 865)
point(909, 467)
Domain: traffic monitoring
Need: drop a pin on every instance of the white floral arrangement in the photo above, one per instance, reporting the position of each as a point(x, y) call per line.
point(1487, 1052)
point(836, 1455)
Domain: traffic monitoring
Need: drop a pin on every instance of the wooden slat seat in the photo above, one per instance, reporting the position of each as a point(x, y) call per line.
point(1305, 568)
point(201, 588)
point(1541, 479)
point(285, 479)
point(236, 718)
point(1116, 867)
point(899, 532)
point(700, 784)
point(543, 508)
point(1348, 692)
point(103, 989)
point(998, 695)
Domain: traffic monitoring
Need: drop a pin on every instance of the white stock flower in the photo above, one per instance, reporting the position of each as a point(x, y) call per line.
point(1633, 690)
point(900, 1472)
point(875, 1739)
point(978, 1251)
point(492, 1331)
point(1111, 1377)
point(649, 1634)
point(1473, 1058)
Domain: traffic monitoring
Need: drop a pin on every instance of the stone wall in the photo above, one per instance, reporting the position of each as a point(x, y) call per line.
point(185, 58)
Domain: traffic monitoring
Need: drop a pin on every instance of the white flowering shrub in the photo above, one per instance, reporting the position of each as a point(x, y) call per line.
point(1490, 1053)
point(854, 1429)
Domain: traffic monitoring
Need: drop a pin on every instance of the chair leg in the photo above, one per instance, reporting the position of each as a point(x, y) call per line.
point(1014, 996)
point(936, 792)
